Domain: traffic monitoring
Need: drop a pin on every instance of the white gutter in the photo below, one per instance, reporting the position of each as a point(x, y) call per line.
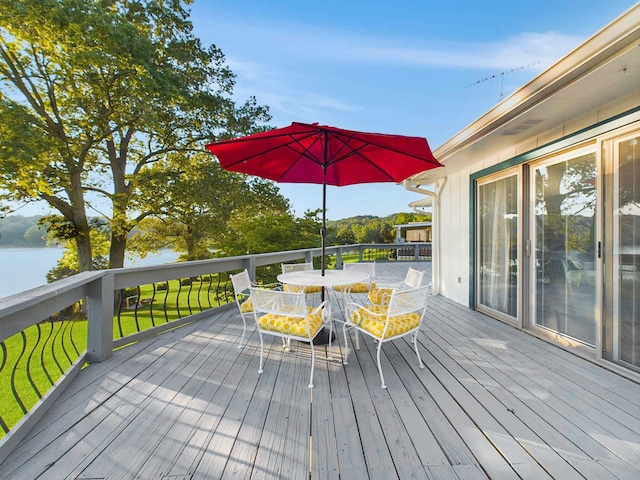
point(435, 244)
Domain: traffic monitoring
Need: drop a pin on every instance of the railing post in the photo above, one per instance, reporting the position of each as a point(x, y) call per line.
point(416, 252)
point(250, 265)
point(100, 296)
point(360, 251)
point(339, 258)
point(308, 256)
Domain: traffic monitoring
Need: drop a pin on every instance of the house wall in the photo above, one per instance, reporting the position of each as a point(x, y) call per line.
point(455, 202)
point(454, 237)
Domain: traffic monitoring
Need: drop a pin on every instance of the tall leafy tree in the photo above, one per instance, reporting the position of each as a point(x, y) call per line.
point(94, 92)
point(199, 199)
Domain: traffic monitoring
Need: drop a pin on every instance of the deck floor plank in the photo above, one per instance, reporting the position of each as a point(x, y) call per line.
point(546, 414)
point(379, 461)
point(288, 416)
point(409, 438)
point(539, 438)
point(583, 407)
point(136, 397)
point(194, 400)
point(241, 461)
point(324, 446)
point(89, 392)
point(155, 422)
point(492, 402)
point(440, 429)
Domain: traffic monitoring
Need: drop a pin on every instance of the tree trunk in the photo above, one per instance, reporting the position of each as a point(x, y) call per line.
point(83, 244)
point(117, 251)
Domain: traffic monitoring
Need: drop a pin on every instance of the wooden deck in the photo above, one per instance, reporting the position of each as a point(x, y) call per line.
point(492, 402)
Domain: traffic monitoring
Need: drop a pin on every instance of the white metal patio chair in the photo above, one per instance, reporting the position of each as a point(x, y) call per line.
point(381, 294)
point(361, 287)
point(286, 315)
point(241, 291)
point(356, 291)
point(402, 316)
point(297, 267)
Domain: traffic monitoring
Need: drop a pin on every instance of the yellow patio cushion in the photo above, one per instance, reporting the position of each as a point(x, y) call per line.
point(247, 305)
point(360, 287)
point(291, 325)
point(298, 288)
point(380, 296)
point(374, 322)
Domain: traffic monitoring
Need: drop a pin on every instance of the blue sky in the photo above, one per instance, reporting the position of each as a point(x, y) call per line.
point(420, 67)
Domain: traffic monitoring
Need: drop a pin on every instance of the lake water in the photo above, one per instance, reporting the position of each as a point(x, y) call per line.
point(26, 268)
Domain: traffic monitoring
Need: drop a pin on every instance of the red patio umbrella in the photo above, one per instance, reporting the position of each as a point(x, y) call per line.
point(312, 153)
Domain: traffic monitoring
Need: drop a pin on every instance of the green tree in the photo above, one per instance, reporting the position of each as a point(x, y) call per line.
point(14, 227)
point(35, 236)
point(198, 199)
point(265, 229)
point(93, 92)
point(60, 231)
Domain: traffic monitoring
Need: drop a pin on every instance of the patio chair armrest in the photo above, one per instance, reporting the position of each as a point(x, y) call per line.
point(325, 310)
point(392, 285)
point(353, 307)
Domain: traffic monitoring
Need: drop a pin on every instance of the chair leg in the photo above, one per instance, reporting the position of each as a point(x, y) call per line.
point(415, 345)
point(260, 370)
point(244, 329)
point(330, 356)
point(313, 361)
point(380, 365)
point(345, 361)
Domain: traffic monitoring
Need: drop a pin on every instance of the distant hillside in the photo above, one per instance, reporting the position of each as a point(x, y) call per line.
point(369, 228)
point(19, 231)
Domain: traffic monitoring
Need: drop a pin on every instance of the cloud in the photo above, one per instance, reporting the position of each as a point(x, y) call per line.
point(329, 44)
point(271, 87)
point(543, 48)
point(276, 61)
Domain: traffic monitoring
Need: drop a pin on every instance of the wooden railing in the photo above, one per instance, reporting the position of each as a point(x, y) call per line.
point(49, 333)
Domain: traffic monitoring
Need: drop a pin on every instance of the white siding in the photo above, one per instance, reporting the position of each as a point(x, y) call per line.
point(455, 238)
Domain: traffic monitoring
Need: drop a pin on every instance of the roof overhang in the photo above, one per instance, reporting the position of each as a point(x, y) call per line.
point(602, 70)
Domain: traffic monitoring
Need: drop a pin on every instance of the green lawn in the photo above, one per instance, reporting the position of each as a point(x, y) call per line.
point(37, 357)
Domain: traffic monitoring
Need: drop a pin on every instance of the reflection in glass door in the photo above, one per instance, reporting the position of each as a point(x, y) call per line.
point(626, 253)
point(564, 238)
point(497, 245)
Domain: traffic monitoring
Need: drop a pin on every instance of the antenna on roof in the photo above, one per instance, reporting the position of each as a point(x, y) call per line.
point(501, 75)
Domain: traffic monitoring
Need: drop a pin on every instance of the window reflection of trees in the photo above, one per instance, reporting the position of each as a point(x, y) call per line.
point(628, 217)
point(565, 229)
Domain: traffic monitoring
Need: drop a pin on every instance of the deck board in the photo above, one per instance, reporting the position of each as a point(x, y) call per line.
point(605, 427)
point(491, 402)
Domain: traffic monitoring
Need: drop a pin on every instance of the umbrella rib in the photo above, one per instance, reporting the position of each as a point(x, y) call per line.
point(376, 166)
point(391, 149)
point(356, 151)
point(258, 154)
point(302, 154)
point(254, 138)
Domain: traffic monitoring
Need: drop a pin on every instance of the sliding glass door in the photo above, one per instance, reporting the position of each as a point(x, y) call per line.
point(626, 250)
point(497, 245)
point(557, 245)
point(563, 234)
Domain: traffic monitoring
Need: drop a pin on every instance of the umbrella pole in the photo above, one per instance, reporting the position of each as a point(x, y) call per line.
point(323, 229)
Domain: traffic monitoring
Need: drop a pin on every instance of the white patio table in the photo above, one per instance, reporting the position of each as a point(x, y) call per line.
point(331, 278)
point(314, 278)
